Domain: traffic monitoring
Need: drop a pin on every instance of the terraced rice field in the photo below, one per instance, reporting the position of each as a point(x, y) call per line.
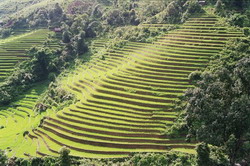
point(125, 98)
point(13, 49)
point(18, 118)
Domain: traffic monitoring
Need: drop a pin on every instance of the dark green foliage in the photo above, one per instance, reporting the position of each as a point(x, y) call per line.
point(137, 159)
point(180, 125)
point(97, 13)
point(54, 96)
point(170, 159)
point(189, 8)
point(40, 18)
point(55, 15)
point(203, 153)
point(208, 155)
point(177, 12)
point(240, 20)
point(172, 13)
point(36, 69)
point(3, 158)
point(218, 107)
point(140, 34)
point(79, 44)
point(236, 4)
point(151, 10)
point(66, 37)
point(146, 159)
point(236, 11)
point(64, 159)
point(219, 7)
point(25, 133)
point(33, 161)
point(115, 18)
point(246, 31)
point(212, 2)
point(4, 33)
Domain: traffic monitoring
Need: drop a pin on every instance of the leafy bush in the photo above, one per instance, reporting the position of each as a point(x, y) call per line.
point(171, 14)
point(64, 159)
point(3, 158)
point(246, 31)
point(55, 96)
point(240, 20)
point(170, 159)
point(138, 34)
point(4, 33)
point(203, 153)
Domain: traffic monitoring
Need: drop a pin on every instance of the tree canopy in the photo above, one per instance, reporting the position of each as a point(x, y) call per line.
point(218, 106)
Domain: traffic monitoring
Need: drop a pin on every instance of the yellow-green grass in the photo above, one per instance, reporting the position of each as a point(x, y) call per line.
point(177, 47)
point(81, 136)
point(82, 144)
point(19, 118)
point(168, 50)
point(163, 56)
point(112, 138)
point(206, 34)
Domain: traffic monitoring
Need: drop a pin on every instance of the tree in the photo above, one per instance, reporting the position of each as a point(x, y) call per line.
point(66, 37)
point(203, 154)
point(80, 45)
point(3, 158)
point(58, 10)
point(56, 14)
point(115, 18)
point(64, 159)
point(240, 20)
point(219, 7)
point(218, 107)
point(172, 13)
point(5, 33)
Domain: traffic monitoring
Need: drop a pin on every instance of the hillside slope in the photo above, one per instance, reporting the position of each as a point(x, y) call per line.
point(16, 119)
point(13, 49)
point(23, 7)
point(125, 97)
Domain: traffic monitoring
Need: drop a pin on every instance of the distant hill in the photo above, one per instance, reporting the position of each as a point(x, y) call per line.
point(10, 8)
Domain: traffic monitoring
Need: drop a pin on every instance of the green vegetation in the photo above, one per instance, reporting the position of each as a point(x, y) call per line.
point(221, 91)
point(103, 82)
point(124, 108)
point(17, 119)
point(13, 49)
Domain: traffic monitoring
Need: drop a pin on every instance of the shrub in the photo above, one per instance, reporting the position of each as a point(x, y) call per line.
point(238, 19)
point(5, 33)
point(64, 159)
point(3, 158)
point(171, 14)
point(66, 37)
point(246, 31)
point(219, 7)
point(25, 133)
point(203, 153)
point(170, 159)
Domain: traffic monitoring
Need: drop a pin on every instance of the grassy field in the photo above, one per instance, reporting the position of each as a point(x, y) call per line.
point(124, 98)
